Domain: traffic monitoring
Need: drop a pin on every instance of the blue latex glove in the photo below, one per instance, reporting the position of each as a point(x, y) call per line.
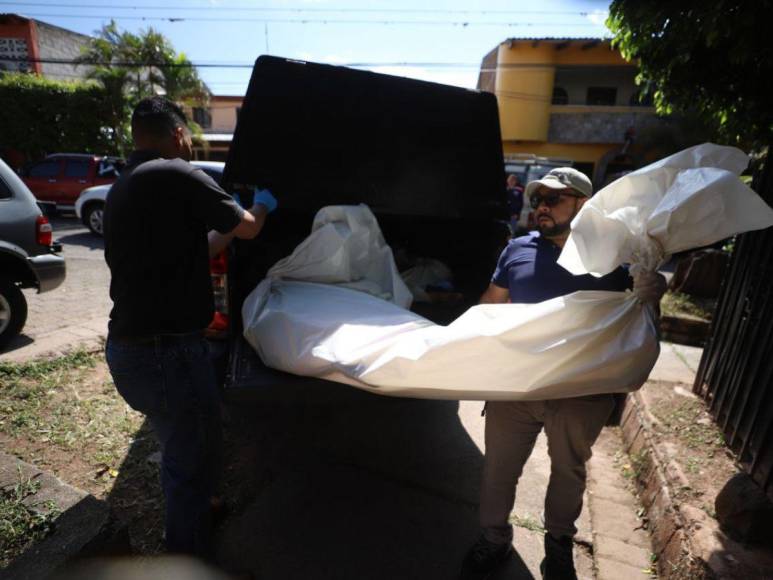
point(264, 197)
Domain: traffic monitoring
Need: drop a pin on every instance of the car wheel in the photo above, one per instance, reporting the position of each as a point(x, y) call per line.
point(13, 311)
point(93, 218)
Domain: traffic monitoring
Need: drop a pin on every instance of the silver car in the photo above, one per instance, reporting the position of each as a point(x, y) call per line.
point(29, 258)
point(90, 204)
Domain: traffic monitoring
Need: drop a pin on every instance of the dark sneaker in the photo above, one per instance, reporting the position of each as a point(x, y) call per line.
point(484, 558)
point(559, 560)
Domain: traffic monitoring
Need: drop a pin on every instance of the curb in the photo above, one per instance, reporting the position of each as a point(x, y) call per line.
point(687, 542)
point(687, 331)
point(86, 526)
point(669, 541)
point(89, 335)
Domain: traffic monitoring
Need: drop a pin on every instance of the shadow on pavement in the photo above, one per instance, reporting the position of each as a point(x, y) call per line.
point(331, 484)
point(350, 486)
point(65, 222)
point(17, 342)
point(85, 239)
point(136, 498)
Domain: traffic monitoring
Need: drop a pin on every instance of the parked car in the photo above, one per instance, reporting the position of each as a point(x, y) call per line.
point(91, 202)
point(29, 258)
point(59, 179)
point(425, 157)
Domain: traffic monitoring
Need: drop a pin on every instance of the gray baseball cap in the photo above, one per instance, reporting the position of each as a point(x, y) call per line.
point(561, 178)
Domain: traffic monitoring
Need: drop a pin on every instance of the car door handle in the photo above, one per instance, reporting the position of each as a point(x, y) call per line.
point(52, 181)
point(81, 181)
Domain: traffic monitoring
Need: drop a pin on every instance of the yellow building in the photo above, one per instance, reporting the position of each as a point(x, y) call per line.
point(218, 122)
point(571, 98)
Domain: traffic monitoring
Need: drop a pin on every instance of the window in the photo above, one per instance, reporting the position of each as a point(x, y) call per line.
point(45, 169)
point(560, 96)
point(218, 154)
point(110, 168)
point(601, 96)
point(78, 169)
point(5, 191)
point(202, 117)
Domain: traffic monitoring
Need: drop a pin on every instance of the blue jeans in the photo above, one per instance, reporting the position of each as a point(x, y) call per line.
point(170, 379)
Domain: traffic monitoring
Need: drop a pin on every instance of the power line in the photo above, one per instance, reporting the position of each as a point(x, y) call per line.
point(313, 9)
point(177, 19)
point(249, 65)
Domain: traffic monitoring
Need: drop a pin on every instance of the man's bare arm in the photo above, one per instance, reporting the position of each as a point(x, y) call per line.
point(495, 295)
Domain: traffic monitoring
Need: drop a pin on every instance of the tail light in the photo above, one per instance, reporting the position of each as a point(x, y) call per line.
point(218, 269)
point(44, 233)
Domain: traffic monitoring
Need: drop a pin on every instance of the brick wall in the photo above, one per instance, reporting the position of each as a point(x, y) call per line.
point(599, 127)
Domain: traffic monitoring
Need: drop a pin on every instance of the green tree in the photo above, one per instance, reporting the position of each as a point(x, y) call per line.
point(148, 64)
point(133, 66)
point(40, 116)
point(710, 59)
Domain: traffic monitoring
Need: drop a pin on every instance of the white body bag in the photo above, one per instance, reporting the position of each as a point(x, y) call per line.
point(337, 308)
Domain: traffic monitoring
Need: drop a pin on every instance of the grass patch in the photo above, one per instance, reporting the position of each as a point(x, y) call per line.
point(636, 465)
point(53, 402)
point(681, 305)
point(64, 415)
point(42, 368)
point(23, 522)
point(688, 422)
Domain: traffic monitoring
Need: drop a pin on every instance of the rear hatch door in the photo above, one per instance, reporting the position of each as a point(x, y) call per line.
point(423, 156)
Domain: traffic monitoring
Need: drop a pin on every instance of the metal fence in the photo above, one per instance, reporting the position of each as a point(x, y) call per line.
point(735, 375)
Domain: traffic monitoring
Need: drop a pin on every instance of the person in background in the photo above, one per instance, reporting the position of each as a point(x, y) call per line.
point(163, 220)
point(528, 272)
point(514, 201)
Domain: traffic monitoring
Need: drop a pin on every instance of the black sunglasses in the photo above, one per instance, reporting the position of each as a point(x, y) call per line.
point(550, 200)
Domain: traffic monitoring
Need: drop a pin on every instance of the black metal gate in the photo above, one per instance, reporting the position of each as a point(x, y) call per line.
point(735, 375)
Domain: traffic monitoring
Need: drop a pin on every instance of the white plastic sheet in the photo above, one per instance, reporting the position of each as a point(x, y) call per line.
point(335, 308)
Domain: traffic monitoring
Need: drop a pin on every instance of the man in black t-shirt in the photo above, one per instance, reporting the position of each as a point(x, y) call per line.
point(163, 219)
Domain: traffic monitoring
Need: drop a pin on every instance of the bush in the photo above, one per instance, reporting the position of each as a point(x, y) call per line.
point(40, 116)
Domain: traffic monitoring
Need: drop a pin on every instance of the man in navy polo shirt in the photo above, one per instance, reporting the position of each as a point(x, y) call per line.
point(527, 273)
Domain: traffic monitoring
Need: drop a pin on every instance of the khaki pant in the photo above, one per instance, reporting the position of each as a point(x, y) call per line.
point(571, 426)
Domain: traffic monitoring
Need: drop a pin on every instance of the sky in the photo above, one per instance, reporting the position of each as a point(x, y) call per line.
point(427, 39)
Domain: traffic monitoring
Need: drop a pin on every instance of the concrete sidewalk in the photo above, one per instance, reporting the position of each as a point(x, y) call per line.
point(677, 363)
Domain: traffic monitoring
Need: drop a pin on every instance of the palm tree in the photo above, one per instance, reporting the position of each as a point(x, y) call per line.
point(132, 66)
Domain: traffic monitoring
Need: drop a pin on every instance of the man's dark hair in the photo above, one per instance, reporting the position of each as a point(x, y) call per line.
point(157, 116)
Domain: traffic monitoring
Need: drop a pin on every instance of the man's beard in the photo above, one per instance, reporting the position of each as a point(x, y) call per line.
point(550, 228)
